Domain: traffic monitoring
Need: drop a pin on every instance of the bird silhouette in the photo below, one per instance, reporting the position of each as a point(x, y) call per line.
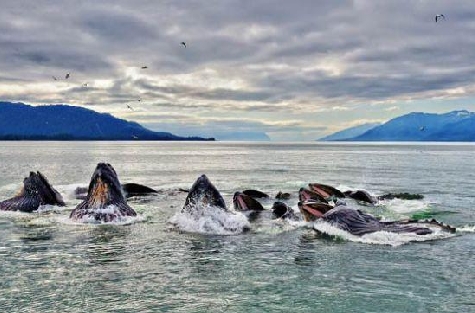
point(144, 67)
point(54, 77)
point(67, 76)
point(184, 44)
point(438, 17)
point(131, 108)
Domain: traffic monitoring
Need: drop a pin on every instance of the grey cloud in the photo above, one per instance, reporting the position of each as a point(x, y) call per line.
point(384, 50)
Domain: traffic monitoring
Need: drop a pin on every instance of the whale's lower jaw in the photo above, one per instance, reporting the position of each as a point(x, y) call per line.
point(113, 212)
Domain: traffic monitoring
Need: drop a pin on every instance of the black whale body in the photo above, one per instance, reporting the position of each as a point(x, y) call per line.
point(36, 191)
point(360, 223)
point(105, 201)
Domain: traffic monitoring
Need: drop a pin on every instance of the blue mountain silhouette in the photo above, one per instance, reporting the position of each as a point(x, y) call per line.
point(418, 126)
point(350, 132)
point(19, 121)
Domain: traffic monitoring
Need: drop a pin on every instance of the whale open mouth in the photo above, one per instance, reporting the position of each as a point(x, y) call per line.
point(307, 195)
point(313, 210)
point(203, 192)
point(36, 191)
point(326, 191)
point(243, 202)
point(105, 201)
point(50, 195)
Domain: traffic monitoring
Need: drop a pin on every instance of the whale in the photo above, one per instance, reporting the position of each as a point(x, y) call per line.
point(247, 205)
point(327, 192)
point(359, 223)
point(281, 210)
point(307, 194)
point(36, 191)
point(205, 211)
point(203, 192)
point(105, 201)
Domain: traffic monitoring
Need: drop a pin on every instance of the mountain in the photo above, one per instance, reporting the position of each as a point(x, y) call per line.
point(19, 121)
point(417, 126)
point(349, 132)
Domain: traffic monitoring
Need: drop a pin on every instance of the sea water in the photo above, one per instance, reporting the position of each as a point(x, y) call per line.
point(50, 264)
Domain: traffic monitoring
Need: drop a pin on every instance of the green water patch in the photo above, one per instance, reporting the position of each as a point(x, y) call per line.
point(428, 214)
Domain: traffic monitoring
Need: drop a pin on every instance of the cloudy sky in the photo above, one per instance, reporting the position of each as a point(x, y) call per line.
point(293, 70)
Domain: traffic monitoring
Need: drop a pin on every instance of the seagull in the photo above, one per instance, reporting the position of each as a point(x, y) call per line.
point(183, 43)
point(131, 108)
point(422, 128)
point(139, 100)
point(438, 17)
point(144, 67)
point(54, 77)
point(67, 76)
point(135, 137)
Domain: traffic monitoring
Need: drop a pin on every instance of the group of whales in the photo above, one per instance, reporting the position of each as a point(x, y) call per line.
point(105, 202)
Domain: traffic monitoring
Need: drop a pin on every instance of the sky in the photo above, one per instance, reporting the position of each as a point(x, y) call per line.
point(286, 70)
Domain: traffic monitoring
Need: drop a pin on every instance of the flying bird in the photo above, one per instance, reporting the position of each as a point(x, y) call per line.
point(144, 67)
point(184, 44)
point(438, 17)
point(422, 128)
point(54, 77)
point(67, 76)
point(131, 108)
point(84, 85)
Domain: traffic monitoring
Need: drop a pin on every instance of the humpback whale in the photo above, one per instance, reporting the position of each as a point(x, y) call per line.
point(205, 193)
point(105, 201)
point(325, 193)
point(205, 211)
point(247, 205)
point(36, 191)
point(360, 223)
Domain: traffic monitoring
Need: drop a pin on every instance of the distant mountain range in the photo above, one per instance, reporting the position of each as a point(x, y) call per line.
point(19, 121)
point(418, 126)
point(350, 132)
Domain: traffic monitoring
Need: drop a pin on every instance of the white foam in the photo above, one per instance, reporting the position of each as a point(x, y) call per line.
point(208, 219)
point(47, 208)
point(90, 220)
point(401, 206)
point(466, 229)
point(381, 237)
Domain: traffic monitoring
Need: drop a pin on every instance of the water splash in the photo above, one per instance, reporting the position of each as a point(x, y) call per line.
point(208, 219)
point(466, 229)
point(401, 206)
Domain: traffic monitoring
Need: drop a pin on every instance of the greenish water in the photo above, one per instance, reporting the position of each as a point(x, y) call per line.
point(50, 265)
